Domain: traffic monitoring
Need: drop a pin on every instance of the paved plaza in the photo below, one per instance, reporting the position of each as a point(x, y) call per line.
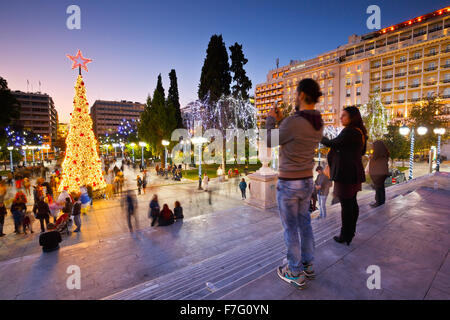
point(225, 249)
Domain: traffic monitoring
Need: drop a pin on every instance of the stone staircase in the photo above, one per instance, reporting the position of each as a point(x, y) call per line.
point(221, 274)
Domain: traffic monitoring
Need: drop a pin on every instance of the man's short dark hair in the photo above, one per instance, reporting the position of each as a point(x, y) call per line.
point(311, 89)
point(319, 168)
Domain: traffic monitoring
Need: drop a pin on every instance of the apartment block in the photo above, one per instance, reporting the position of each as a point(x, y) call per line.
point(405, 62)
point(38, 114)
point(107, 115)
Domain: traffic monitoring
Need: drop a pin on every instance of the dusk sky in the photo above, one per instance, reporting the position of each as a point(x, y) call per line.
point(131, 42)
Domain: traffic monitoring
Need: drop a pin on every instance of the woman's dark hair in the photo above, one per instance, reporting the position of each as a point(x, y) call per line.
point(356, 119)
point(311, 89)
point(177, 204)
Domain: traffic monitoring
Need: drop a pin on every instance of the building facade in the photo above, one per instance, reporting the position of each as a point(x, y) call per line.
point(107, 115)
point(405, 62)
point(38, 114)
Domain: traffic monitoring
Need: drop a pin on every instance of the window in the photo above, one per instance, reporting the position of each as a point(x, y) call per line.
point(430, 93)
point(388, 98)
point(358, 101)
point(401, 97)
point(330, 83)
point(330, 100)
point(358, 91)
point(348, 69)
point(358, 67)
point(431, 65)
point(415, 95)
point(348, 81)
point(416, 81)
point(348, 92)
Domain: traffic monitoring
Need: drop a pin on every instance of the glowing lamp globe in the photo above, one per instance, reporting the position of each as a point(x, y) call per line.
point(439, 131)
point(404, 130)
point(422, 130)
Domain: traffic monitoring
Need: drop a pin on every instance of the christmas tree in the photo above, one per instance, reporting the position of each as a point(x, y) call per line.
point(376, 117)
point(81, 165)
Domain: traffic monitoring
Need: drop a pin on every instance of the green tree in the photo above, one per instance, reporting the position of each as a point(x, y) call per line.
point(174, 98)
point(157, 121)
point(375, 117)
point(215, 78)
point(10, 107)
point(241, 82)
point(397, 144)
point(427, 113)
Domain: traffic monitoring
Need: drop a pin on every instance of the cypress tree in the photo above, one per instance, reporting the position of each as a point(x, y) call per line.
point(242, 82)
point(174, 98)
point(215, 78)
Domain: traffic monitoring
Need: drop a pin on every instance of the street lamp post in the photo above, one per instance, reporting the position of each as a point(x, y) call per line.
point(11, 158)
point(24, 148)
point(165, 143)
point(199, 141)
point(115, 145)
point(404, 130)
point(121, 148)
point(142, 145)
point(439, 132)
point(32, 150)
point(132, 148)
point(40, 151)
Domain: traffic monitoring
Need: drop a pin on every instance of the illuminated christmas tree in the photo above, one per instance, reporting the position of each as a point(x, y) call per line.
point(81, 165)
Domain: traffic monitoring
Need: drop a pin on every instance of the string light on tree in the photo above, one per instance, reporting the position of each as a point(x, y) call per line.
point(82, 164)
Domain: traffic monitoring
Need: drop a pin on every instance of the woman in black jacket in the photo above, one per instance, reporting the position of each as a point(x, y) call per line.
point(346, 169)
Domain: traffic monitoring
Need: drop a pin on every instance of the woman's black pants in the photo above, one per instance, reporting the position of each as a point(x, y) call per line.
point(380, 195)
point(349, 215)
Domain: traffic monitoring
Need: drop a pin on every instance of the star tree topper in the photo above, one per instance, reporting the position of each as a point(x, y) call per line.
point(79, 61)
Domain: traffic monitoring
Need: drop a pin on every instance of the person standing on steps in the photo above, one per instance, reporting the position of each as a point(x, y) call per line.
point(346, 169)
point(379, 171)
point(154, 210)
point(322, 185)
point(243, 187)
point(299, 135)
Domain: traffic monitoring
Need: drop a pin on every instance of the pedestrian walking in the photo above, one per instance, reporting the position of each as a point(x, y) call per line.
point(243, 187)
point(41, 211)
point(131, 205)
point(139, 184)
point(322, 185)
point(379, 171)
point(299, 135)
point(205, 181)
point(3, 213)
point(154, 210)
point(77, 214)
point(144, 181)
point(18, 209)
point(346, 169)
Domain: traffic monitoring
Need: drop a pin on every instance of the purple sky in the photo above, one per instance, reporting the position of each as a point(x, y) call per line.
point(130, 42)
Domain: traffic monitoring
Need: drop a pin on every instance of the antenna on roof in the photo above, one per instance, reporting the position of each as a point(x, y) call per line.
point(278, 62)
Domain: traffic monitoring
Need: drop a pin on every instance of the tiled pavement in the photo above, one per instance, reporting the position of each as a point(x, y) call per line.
point(411, 250)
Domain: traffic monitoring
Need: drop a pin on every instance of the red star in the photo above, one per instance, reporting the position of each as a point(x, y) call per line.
point(79, 61)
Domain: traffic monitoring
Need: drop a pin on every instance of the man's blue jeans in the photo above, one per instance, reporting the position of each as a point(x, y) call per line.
point(322, 205)
point(293, 198)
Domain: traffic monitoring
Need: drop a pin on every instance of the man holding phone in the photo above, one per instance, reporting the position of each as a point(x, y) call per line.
point(299, 135)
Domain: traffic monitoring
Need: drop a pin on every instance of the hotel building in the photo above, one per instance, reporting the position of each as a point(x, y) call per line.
point(107, 115)
point(38, 114)
point(405, 62)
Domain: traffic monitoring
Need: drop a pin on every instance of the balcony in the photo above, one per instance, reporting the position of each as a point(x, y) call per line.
point(413, 99)
point(414, 85)
point(416, 57)
point(358, 93)
point(402, 60)
point(430, 83)
point(358, 81)
point(400, 101)
point(386, 89)
point(375, 79)
point(415, 71)
point(400, 87)
point(387, 102)
point(446, 81)
point(348, 83)
point(431, 54)
point(430, 69)
point(389, 76)
point(446, 96)
point(400, 74)
point(390, 63)
point(377, 65)
point(348, 95)
point(445, 66)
